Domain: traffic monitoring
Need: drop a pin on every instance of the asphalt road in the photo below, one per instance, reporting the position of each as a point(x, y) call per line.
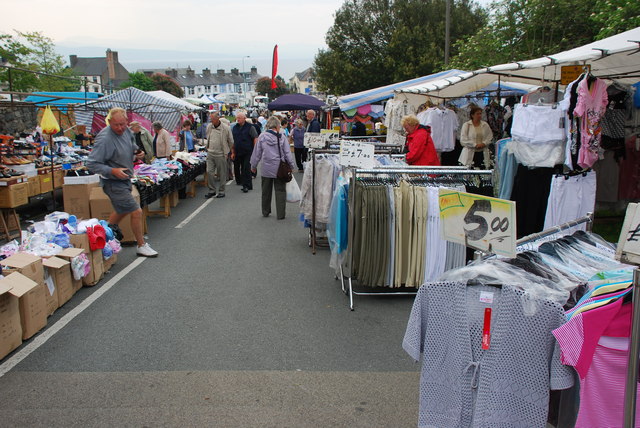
point(235, 324)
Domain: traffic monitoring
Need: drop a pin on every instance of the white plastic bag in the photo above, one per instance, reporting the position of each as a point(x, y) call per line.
point(293, 191)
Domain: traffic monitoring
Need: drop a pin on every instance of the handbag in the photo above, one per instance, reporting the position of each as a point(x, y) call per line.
point(284, 169)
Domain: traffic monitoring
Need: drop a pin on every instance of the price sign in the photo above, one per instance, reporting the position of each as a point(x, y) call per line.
point(628, 249)
point(356, 154)
point(569, 73)
point(315, 140)
point(480, 222)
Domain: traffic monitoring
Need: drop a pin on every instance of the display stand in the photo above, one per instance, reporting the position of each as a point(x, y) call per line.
point(165, 204)
point(420, 172)
point(11, 223)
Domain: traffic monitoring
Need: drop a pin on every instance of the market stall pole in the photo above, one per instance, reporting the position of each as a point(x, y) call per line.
point(630, 393)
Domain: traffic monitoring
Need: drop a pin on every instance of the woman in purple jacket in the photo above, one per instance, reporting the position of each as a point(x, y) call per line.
point(272, 146)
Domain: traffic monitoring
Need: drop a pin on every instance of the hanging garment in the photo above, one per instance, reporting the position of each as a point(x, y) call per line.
point(592, 102)
point(608, 173)
point(538, 124)
point(596, 343)
point(531, 193)
point(495, 118)
point(570, 198)
point(630, 170)
point(444, 125)
point(464, 385)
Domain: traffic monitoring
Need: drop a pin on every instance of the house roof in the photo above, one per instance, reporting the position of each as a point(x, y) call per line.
point(199, 79)
point(305, 75)
point(98, 67)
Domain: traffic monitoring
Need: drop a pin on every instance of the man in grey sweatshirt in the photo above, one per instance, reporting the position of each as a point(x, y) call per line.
point(112, 158)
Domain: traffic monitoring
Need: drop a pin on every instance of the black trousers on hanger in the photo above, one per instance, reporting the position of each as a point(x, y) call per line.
point(531, 189)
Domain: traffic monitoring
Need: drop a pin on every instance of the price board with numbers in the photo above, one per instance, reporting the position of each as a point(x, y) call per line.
point(480, 222)
point(315, 140)
point(357, 154)
point(628, 249)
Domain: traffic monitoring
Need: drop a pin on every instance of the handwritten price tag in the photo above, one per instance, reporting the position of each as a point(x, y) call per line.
point(480, 222)
point(628, 249)
point(356, 154)
point(315, 140)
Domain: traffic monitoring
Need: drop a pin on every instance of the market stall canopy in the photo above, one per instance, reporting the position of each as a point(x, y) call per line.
point(348, 102)
point(296, 102)
point(167, 96)
point(614, 58)
point(60, 99)
point(148, 105)
point(208, 99)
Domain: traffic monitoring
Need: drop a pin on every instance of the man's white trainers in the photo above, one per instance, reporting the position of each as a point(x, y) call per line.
point(147, 251)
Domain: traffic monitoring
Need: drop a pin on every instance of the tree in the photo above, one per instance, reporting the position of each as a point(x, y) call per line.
point(525, 29)
point(166, 83)
point(140, 81)
point(36, 52)
point(263, 86)
point(378, 42)
point(615, 16)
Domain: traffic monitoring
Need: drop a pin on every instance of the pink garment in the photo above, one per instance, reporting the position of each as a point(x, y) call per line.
point(364, 110)
point(591, 107)
point(144, 122)
point(602, 369)
point(98, 123)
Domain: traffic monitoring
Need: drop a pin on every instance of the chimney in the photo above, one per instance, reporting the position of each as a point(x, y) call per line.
point(73, 60)
point(235, 72)
point(111, 65)
point(190, 72)
point(171, 72)
point(220, 72)
point(254, 70)
point(206, 72)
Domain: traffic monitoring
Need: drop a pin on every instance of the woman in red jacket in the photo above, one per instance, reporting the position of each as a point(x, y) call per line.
point(419, 142)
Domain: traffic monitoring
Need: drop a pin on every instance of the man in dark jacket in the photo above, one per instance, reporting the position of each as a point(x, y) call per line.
point(244, 138)
point(312, 123)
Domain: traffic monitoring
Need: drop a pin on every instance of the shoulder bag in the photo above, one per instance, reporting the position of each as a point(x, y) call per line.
point(284, 169)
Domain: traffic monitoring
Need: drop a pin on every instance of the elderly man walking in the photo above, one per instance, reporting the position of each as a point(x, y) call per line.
point(112, 158)
point(244, 139)
point(219, 144)
point(312, 123)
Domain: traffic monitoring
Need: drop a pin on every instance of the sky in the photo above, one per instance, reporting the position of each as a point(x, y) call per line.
point(197, 33)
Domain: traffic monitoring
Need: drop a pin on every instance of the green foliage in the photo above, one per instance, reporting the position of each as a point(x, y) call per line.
point(165, 83)
point(140, 81)
point(615, 16)
point(378, 42)
point(35, 51)
point(263, 87)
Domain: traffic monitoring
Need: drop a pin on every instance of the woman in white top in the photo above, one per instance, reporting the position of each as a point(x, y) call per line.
point(475, 137)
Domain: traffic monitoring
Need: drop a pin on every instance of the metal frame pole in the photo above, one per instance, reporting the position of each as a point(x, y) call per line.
point(630, 393)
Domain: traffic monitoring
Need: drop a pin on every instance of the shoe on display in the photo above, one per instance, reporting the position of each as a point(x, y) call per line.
point(146, 251)
point(210, 195)
point(220, 195)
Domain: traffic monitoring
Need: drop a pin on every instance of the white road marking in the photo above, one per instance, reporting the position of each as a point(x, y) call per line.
point(41, 339)
point(193, 214)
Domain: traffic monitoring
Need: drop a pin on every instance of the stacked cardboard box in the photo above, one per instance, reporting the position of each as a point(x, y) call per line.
point(31, 302)
point(95, 257)
point(10, 328)
point(59, 271)
point(101, 209)
point(31, 267)
point(75, 194)
point(68, 254)
point(14, 194)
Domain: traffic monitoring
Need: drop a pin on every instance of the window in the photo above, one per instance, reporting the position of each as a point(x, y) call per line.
point(95, 79)
point(207, 88)
point(191, 91)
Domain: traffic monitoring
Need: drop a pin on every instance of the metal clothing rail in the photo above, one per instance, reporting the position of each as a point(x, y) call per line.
point(422, 171)
point(556, 229)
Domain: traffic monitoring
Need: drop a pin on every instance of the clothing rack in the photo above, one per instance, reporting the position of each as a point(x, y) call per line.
point(313, 238)
point(421, 171)
point(556, 229)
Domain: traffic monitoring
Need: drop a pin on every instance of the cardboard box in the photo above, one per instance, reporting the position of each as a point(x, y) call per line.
point(68, 254)
point(10, 328)
point(14, 195)
point(76, 198)
point(58, 178)
point(46, 182)
point(34, 185)
point(31, 301)
point(95, 257)
point(101, 209)
point(84, 179)
point(108, 263)
point(27, 264)
point(60, 271)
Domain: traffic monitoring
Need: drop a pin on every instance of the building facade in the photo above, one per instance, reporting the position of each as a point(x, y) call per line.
point(102, 74)
point(304, 82)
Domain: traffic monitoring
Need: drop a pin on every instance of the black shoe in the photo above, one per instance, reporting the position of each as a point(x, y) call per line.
point(116, 231)
point(244, 190)
point(220, 195)
point(210, 195)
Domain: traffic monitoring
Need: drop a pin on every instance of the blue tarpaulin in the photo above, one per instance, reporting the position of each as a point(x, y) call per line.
point(59, 99)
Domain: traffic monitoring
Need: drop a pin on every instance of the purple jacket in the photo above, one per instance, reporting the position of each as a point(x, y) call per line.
point(267, 151)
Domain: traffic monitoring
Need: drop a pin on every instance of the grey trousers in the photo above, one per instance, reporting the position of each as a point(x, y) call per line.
point(281, 196)
point(217, 173)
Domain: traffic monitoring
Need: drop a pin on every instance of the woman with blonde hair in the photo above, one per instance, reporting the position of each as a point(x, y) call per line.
point(421, 150)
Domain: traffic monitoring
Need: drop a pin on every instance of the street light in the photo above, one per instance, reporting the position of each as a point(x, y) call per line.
point(244, 77)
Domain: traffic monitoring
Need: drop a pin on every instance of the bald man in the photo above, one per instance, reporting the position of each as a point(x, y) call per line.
point(244, 138)
point(112, 158)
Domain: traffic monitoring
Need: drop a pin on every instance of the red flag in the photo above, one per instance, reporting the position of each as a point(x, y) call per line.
point(274, 68)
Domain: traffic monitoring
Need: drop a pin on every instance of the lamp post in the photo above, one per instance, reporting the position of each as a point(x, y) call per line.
point(244, 78)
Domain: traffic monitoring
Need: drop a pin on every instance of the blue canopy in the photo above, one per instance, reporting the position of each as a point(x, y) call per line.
point(59, 99)
point(295, 102)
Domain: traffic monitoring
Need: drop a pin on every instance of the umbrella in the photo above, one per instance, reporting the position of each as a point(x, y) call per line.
point(296, 102)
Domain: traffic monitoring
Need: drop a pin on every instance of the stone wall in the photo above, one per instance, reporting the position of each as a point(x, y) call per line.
point(17, 118)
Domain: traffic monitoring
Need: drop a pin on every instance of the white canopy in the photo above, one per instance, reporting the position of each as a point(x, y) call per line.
point(170, 97)
point(614, 58)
